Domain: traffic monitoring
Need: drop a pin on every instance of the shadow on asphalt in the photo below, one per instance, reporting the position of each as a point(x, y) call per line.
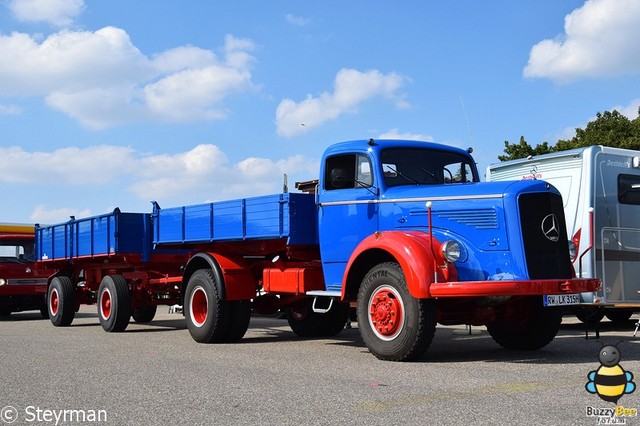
point(450, 344)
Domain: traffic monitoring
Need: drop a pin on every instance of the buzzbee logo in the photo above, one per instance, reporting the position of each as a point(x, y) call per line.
point(610, 381)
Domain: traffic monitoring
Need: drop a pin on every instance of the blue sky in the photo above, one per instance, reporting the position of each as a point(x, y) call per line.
point(115, 103)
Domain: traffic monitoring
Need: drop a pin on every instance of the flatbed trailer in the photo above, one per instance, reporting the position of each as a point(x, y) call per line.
point(403, 230)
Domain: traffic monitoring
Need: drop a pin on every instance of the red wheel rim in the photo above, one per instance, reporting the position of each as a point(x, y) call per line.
point(386, 312)
point(53, 302)
point(199, 306)
point(105, 304)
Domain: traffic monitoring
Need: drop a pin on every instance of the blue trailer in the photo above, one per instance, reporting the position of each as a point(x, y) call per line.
point(401, 229)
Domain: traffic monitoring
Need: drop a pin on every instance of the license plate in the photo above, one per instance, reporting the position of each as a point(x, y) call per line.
point(561, 299)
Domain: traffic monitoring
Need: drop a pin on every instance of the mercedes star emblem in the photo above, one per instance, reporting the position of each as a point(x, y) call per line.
point(550, 227)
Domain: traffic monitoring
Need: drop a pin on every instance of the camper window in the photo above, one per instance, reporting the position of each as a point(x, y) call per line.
point(629, 189)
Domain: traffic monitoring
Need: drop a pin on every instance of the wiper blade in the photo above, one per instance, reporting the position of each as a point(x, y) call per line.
point(410, 179)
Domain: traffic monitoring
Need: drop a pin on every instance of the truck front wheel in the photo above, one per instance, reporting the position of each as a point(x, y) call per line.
point(394, 325)
point(114, 303)
point(61, 301)
point(525, 324)
point(206, 313)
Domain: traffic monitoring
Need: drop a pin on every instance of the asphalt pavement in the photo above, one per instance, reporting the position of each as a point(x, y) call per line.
point(155, 374)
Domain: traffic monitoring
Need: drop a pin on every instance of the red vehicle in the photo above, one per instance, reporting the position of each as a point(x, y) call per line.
point(23, 286)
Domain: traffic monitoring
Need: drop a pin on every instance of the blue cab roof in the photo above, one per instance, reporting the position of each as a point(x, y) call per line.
point(376, 145)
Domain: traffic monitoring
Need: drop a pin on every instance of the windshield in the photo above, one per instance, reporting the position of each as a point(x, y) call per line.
point(417, 166)
point(12, 251)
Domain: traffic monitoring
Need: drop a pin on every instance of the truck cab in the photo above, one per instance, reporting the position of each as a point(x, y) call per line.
point(362, 184)
point(22, 286)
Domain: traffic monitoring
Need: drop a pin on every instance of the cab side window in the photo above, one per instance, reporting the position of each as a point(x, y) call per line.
point(347, 171)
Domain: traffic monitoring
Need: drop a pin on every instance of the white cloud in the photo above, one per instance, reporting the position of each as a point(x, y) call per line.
point(630, 111)
point(57, 12)
point(65, 165)
point(102, 80)
point(298, 21)
point(201, 173)
point(351, 88)
point(599, 41)
point(205, 172)
point(396, 134)
point(44, 215)
point(10, 110)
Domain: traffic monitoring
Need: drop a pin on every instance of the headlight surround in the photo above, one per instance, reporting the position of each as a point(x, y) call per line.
point(451, 251)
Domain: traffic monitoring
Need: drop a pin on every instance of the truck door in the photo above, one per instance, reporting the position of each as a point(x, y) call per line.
point(348, 212)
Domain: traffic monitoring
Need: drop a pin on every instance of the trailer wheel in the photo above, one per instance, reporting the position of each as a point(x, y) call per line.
point(114, 303)
point(394, 325)
point(239, 317)
point(526, 324)
point(206, 313)
point(144, 314)
point(61, 301)
point(306, 323)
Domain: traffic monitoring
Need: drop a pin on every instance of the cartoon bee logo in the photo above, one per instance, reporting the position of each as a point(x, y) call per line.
point(610, 381)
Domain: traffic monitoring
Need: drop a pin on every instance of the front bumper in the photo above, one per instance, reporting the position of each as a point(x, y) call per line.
point(513, 288)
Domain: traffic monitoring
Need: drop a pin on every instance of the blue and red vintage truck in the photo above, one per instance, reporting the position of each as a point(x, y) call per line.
point(404, 230)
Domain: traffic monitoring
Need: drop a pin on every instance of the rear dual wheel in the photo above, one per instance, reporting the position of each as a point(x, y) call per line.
point(210, 319)
point(306, 323)
point(525, 324)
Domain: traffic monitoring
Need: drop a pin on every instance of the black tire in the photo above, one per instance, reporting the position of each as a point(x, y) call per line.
point(206, 313)
point(619, 316)
point(144, 314)
point(526, 325)
point(394, 325)
point(239, 317)
point(44, 312)
point(306, 323)
point(61, 301)
point(593, 317)
point(114, 303)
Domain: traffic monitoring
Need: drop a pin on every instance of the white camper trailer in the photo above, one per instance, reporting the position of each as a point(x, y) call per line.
point(603, 182)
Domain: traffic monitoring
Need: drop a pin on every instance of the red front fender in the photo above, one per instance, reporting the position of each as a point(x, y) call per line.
point(416, 256)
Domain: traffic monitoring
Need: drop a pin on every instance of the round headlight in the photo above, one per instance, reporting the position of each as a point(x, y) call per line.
point(451, 251)
point(2, 281)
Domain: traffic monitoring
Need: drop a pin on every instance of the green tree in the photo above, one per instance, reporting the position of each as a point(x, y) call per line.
point(609, 128)
point(522, 150)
